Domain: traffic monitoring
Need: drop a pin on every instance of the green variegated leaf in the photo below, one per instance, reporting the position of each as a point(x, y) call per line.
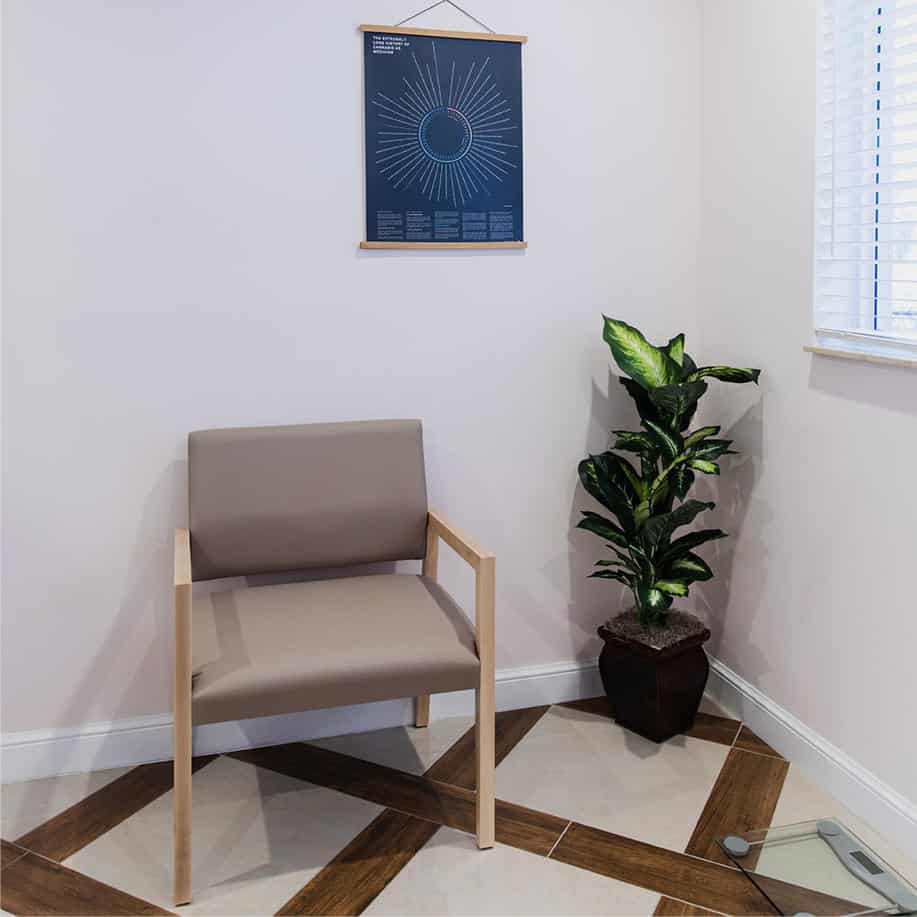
point(681, 480)
point(688, 366)
point(705, 467)
point(688, 416)
point(628, 441)
point(672, 586)
point(699, 434)
point(637, 357)
point(726, 374)
point(625, 578)
point(653, 599)
point(625, 560)
point(690, 568)
point(712, 449)
point(649, 466)
point(636, 482)
point(609, 496)
point(589, 480)
point(682, 546)
point(645, 408)
point(616, 473)
point(676, 349)
point(663, 497)
point(658, 528)
point(605, 528)
point(670, 442)
point(675, 401)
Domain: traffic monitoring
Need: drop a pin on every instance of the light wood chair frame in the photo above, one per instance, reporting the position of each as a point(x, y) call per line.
point(484, 565)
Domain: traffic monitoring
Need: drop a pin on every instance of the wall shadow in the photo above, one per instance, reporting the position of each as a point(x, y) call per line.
point(732, 491)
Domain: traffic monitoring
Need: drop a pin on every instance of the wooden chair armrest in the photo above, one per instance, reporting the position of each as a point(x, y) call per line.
point(465, 547)
point(182, 557)
point(484, 565)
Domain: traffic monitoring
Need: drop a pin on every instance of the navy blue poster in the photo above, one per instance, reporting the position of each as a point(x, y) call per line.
point(443, 139)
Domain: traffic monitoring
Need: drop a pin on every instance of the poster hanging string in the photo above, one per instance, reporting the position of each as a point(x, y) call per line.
point(433, 6)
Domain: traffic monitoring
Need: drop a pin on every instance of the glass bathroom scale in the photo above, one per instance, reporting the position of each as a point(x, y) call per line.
point(819, 868)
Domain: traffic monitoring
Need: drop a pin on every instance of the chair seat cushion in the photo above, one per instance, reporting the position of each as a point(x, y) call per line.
point(299, 646)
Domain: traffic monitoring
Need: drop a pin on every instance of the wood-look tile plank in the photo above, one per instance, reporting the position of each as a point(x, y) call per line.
point(748, 741)
point(714, 728)
point(11, 853)
point(428, 799)
point(527, 829)
point(672, 874)
point(743, 798)
point(595, 705)
point(677, 875)
point(408, 793)
point(87, 820)
point(353, 879)
point(34, 885)
point(669, 907)
point(457, 765)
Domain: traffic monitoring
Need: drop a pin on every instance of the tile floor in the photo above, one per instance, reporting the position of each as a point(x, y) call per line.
point(604, 777)
point(262, 838)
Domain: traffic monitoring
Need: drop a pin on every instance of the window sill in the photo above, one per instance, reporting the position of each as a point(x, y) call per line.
point(867, 356)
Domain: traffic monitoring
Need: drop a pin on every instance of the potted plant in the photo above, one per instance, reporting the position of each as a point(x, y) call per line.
point(653, 666)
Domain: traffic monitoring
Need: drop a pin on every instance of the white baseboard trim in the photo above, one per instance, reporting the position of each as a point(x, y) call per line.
point(124, 743)
point(139, 740)
point(861, 791)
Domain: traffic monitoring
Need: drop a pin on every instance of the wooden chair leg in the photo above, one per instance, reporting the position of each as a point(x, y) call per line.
point(422, 710)
point(181, 790)
point(485, 702)
point(484, 742)
point(182, 817)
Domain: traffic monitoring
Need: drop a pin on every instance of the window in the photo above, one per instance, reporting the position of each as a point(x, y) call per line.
point(866, 176)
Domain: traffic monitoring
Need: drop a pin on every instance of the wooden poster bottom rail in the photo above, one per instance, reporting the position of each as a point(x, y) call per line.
point(443, 245)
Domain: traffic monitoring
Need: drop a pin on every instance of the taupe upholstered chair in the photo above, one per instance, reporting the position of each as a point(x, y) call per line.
point(271, 499)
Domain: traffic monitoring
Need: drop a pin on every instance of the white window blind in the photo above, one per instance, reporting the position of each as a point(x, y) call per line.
point(866, 171)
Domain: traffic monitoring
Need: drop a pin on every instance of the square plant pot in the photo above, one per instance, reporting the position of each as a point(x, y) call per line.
point(654, 677)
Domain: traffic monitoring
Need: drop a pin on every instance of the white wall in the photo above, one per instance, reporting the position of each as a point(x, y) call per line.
point(182, 208)
point(814, 600)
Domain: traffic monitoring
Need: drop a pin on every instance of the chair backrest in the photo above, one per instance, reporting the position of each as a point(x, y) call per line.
point(266, 499)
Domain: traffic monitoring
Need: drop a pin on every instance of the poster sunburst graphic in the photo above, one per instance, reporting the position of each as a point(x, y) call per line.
point(450, 139)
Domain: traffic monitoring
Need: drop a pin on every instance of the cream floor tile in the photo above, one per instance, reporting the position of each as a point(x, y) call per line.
point(405, 748)
point(24, 806)
point(588, 769)
point(259, 836)
point(803, 800)
point(451, 876)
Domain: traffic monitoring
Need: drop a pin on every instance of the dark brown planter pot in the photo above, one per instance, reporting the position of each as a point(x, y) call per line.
point(654, 692)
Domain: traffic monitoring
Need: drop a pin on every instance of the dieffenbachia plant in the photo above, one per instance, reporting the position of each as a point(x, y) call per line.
point(647, 495)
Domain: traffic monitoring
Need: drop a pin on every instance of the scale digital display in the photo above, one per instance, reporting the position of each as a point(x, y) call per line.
point(866, 863)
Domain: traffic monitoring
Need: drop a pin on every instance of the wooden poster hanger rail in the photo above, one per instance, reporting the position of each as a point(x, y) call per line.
point(488, 35)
